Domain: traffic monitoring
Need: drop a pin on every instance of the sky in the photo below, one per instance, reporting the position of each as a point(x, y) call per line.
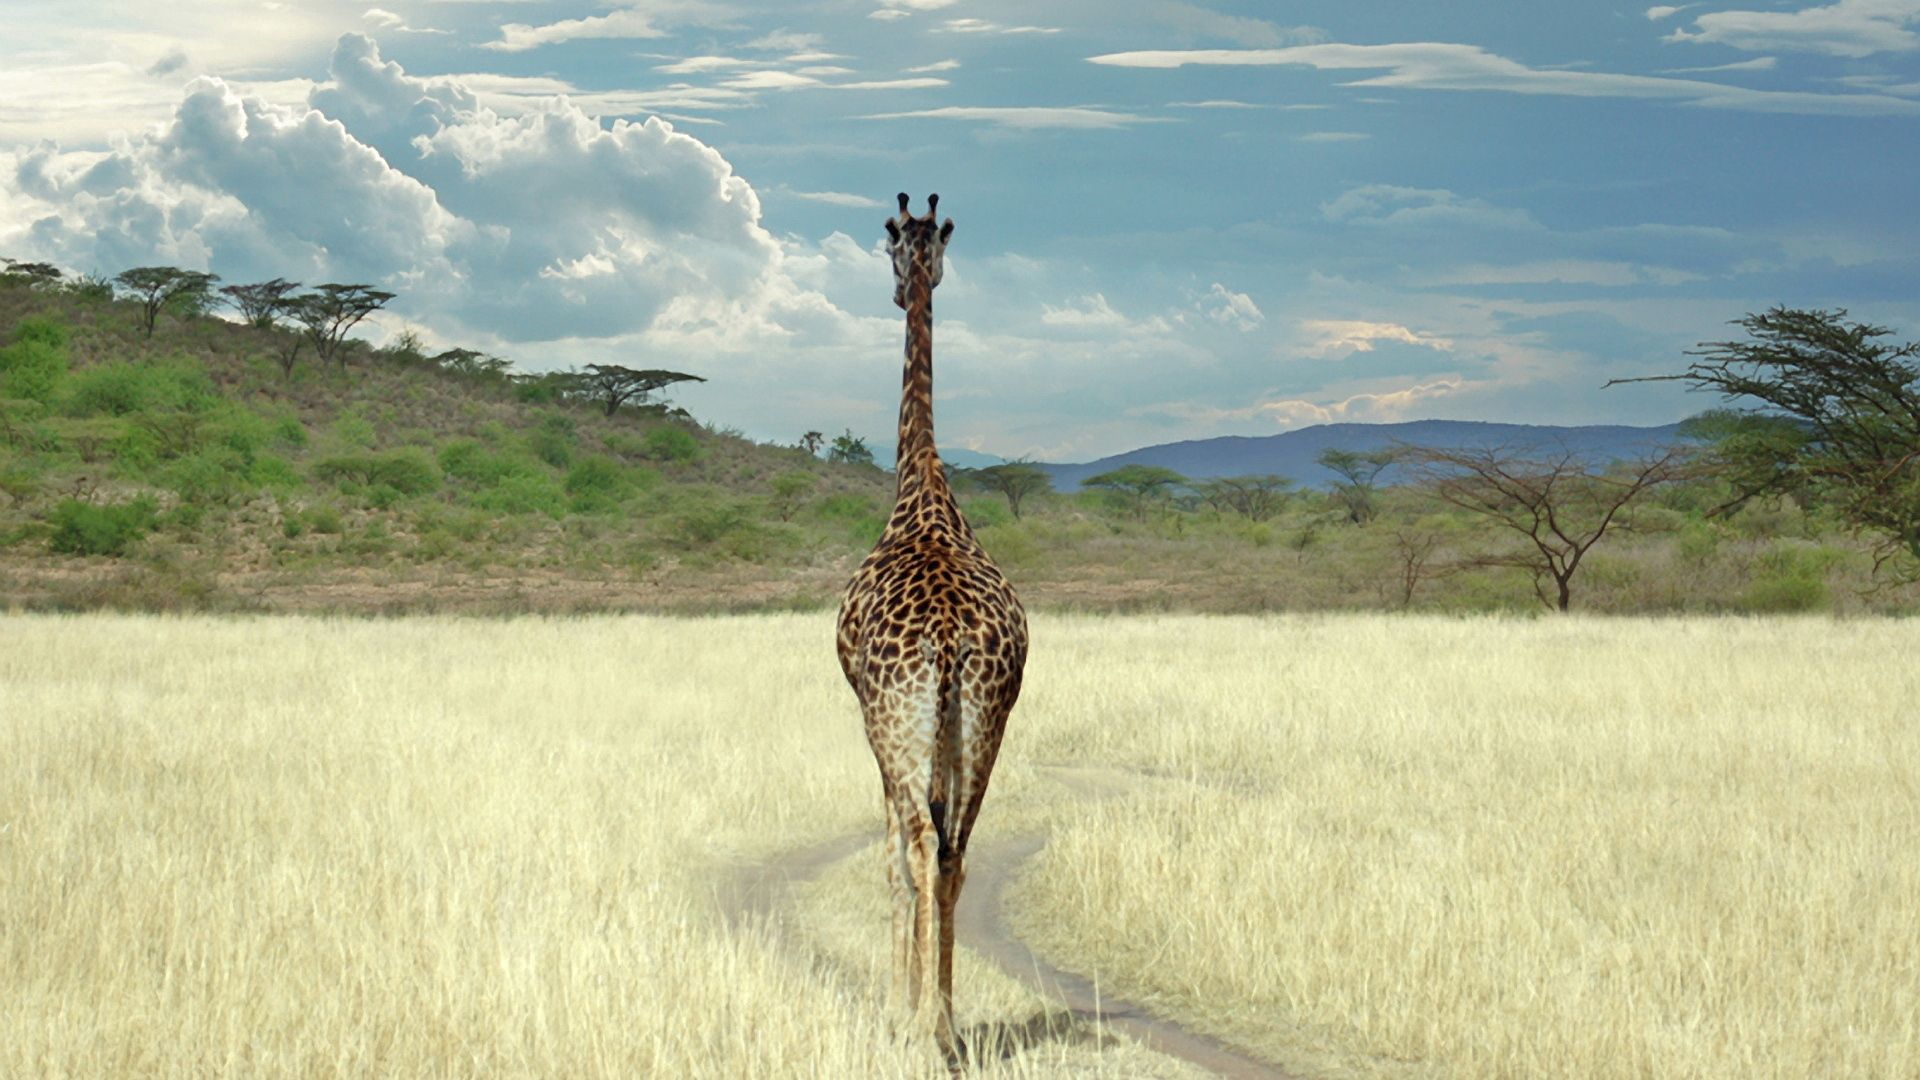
point(1174, 219)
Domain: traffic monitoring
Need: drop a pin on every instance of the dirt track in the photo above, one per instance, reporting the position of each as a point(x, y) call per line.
point(763, 890)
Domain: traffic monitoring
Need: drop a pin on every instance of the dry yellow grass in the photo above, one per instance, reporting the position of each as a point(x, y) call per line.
point(1485, 848)
point(442, 847)
point(423, 848)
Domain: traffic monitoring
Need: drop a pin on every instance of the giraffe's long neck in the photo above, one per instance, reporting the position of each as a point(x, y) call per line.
point(918, 463)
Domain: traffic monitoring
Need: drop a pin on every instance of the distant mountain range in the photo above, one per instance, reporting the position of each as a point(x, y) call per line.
point(1291, 454)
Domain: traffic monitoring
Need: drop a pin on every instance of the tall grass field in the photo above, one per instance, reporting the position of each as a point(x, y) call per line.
point(1354, 845)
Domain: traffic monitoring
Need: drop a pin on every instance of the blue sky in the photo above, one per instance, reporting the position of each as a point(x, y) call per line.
point(1174, 219)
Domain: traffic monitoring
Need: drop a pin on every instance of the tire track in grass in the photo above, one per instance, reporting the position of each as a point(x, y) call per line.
point(763, 891)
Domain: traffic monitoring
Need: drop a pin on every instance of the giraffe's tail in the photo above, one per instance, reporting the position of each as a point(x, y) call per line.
point(952, 660)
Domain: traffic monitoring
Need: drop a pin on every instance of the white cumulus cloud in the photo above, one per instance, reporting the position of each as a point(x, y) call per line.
point(1230, 308)
point(1851, 28)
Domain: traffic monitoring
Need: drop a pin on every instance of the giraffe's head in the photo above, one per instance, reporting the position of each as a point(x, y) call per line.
point(912, 242)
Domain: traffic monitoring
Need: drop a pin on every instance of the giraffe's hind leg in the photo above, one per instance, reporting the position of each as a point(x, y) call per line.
point(901, 986)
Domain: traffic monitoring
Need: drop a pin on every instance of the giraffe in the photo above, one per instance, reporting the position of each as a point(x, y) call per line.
point(933, 642)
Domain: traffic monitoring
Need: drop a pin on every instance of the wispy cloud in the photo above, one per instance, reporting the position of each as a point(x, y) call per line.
point(1337, 338)
point(648, 20)
point(1851, 28)
point(700, 65)
point(939, 65)
point(1561, 272)
point(1758, 63)
point(1026, 117)
point(1376, 406)
point(1664, 11)
point(983, 26)
point(1220, 103)
point(1440, 66)
point(835, 198)
point(389, 20)
point(890, 84)
point(1332, 136)
point(1394, 205)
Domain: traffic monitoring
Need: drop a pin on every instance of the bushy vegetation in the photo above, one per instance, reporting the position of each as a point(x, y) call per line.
point(213, 474)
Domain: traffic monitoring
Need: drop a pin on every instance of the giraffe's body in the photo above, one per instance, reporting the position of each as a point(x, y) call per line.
point(933, 641)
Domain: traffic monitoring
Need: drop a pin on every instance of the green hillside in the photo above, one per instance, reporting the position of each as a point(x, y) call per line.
point(186, 470)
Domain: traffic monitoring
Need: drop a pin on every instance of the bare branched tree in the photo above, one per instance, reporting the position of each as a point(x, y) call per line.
point(1554, 500)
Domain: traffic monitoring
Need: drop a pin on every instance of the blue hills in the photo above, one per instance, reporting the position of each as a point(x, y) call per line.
point(1291, 454)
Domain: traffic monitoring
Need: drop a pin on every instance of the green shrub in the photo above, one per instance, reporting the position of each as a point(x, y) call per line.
point(862, 519)
point(408, 471)
point(596, 484)
point(1792, 577)
point(111, 389)
point(464, 459)
point(31, 370)
point(555, 439)
point(40, 328)
point(276, 473)
point(537, 493)
point(323, 519)
point(85, 529)
point(1785, 594)
point(352, 429)
point(671, 444)
point(290, 432)
point(211, 475)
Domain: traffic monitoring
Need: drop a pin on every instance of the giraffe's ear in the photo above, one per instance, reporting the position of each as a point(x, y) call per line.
point(946, 230)
point(893, 230)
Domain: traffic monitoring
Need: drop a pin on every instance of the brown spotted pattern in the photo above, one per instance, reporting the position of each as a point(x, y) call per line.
point(933, 641)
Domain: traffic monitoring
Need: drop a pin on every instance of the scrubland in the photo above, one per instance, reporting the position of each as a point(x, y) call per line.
point(1357, 845)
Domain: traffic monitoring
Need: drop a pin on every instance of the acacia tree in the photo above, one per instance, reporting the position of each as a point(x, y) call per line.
point(613, 385)
point(330, 311)
point(1014, 479)
point(157, 286)
point(1255, 498)
point(260, 303)
point(1837, 418)
point(1137, 485)
point(34, 275)
point(1554, 501)
point(1357, 471)
point(811, 442)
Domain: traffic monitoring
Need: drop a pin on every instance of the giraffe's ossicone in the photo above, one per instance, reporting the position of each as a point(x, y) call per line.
point(933, 642)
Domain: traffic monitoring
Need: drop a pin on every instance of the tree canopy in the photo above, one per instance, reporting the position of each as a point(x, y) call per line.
point(157, 286)
point(1255, 498)
point(1015, 480)
point(260, 302)
point(1357, 471)
point(1826, 411)
point(330, 311)
point(613, 386)
point(1137, 485)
